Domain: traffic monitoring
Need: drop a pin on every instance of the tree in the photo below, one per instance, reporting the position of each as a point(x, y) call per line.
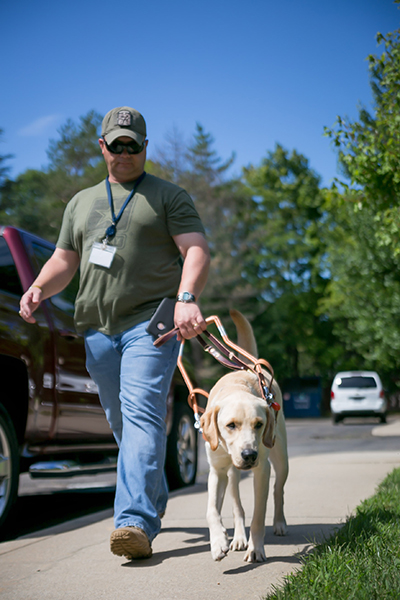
point(363, 295)
point(78, 148)
point(369, 149)
point(284, 264)
point(362, 232)
point(21, 200)
point(205, 163)
point(287, 204)
point(170, 159)
point(75, 158)
point(25, 204)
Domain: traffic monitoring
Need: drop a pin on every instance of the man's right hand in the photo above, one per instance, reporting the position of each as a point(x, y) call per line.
point(30, 301)
point(54, 277)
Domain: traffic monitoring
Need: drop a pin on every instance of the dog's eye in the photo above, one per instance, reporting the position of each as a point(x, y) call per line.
point(258, 425)
point(231, 426)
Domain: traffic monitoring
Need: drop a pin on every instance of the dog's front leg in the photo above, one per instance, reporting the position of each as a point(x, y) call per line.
point(217, 482)
point(279, 460)
point(239, 541)
point(255, 551)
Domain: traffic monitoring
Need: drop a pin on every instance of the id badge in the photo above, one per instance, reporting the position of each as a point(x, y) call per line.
point(102, 255)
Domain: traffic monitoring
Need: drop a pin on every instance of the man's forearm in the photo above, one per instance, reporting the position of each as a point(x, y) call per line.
point(194, 249)
point(195, 270)
point(57, 273)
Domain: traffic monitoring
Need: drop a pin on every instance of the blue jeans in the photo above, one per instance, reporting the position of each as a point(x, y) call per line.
point(133, 378)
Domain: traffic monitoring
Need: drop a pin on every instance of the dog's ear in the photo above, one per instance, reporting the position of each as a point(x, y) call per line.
point(209, 425)
point(269, 430)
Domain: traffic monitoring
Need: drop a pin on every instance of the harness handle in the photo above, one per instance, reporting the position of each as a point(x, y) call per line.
point(227, 358)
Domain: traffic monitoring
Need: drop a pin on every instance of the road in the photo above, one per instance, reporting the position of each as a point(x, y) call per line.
point(55, 501)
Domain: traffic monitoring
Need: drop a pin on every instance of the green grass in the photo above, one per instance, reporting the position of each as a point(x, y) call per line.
point(360, 561)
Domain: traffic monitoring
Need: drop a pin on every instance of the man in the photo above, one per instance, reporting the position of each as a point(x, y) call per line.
point(128, 234)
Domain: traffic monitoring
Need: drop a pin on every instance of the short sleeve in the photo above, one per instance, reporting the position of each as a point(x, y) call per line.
point(182, 216)
point(65, 237)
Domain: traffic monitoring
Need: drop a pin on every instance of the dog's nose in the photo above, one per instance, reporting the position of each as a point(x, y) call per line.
point(249, 456)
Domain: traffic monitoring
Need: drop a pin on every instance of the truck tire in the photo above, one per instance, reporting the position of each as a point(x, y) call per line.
point(181, 465)
point(9, 465)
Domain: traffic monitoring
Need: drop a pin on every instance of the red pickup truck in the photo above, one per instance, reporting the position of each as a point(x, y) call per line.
point(51, 421)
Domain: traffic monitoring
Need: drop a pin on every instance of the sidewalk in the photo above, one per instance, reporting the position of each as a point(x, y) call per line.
point(72, 561)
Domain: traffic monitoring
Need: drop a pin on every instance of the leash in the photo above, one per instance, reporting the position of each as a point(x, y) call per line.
point(228, 359)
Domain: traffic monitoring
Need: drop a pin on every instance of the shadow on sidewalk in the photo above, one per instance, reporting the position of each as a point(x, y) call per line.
point(33, 514)
point(278, 548)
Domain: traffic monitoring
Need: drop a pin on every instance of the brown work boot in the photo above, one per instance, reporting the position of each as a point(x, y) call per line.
point(131, 542)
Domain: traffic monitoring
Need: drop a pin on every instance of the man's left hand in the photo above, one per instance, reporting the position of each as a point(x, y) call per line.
point(189, 319)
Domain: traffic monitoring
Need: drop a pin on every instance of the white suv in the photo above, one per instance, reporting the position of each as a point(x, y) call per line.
point(357, 393)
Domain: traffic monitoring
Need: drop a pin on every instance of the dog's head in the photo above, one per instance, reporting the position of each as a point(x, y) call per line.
point(241, 422)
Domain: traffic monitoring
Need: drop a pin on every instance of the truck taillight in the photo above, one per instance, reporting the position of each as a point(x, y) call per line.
point(332, 395)
point(381, 394)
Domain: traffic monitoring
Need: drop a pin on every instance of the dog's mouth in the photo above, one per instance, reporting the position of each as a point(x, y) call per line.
point(246, 467)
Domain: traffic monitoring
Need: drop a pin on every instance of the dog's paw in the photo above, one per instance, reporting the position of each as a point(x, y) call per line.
point(219, 548)
point(255, 555)
point(280, 528)
point(238, 543)
point(219, 553)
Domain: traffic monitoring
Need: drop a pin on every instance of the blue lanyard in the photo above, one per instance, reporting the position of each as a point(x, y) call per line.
point(112, 229)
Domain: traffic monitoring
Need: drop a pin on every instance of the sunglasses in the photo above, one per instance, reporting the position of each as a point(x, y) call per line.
point(118, 147)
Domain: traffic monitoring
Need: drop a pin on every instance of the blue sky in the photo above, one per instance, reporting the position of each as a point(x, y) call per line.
point(253, 73)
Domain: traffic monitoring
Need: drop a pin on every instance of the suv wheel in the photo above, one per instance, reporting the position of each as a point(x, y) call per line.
point(181, 466)
point(9, 465)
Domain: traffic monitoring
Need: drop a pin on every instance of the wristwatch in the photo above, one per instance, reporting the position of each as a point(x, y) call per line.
point(185, 297)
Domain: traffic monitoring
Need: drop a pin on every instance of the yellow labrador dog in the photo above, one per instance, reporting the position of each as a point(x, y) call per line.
point(242, 433)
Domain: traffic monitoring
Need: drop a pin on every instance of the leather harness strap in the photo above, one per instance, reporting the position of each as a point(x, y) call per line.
point(231, 361)
point(227, 358)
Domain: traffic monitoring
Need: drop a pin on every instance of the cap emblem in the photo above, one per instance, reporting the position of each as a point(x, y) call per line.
point(124, 118)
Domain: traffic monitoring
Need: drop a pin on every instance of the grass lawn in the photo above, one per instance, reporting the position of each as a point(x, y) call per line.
point(360, 561)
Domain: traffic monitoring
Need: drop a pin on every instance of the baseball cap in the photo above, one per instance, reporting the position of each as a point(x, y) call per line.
point(123, 121)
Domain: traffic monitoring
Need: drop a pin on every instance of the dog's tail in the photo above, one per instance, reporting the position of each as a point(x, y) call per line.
point(245, 335)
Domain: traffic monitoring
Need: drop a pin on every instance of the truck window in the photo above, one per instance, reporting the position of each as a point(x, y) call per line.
point(9, 279)
point(65, 300)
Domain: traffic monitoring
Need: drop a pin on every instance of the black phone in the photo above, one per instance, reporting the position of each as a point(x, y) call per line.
point(163, 318)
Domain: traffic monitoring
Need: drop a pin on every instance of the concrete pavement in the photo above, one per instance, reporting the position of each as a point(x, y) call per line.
point(72, 561)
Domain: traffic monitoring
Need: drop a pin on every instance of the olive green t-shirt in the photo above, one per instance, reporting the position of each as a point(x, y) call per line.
point(147, 264)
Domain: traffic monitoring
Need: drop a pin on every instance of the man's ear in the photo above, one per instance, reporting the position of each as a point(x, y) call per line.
point(209, 425)
point(269, 430)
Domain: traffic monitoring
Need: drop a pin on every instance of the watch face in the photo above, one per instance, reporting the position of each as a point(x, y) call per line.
point(186, 297)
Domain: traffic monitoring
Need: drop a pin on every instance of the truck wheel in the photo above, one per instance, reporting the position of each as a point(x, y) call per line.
point(9, 465)
point(181, 465)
